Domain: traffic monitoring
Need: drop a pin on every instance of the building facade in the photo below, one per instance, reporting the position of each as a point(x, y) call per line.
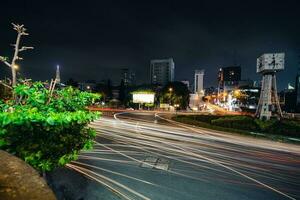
point(229, 77)
point(162, 71)
point(127, 76)
point(198, 82)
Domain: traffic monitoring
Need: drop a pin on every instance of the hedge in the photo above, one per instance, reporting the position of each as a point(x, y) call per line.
point(236, 122)
point(243, 124)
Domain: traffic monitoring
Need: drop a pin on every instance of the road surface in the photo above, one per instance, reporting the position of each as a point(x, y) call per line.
point(141, 156)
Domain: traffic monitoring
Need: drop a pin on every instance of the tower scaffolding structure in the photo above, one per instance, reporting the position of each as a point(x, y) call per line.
point(267, 65)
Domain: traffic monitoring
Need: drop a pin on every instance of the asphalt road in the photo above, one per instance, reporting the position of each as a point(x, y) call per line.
point(141, 156)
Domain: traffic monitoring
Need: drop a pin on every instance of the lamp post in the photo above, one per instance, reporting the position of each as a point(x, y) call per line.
point(170, 91)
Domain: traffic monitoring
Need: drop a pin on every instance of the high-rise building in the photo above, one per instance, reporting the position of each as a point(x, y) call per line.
point(196, 98)
point(229, 78)
point(198, 82)
point(230, 75)
point(162, 71)
point(128, 77)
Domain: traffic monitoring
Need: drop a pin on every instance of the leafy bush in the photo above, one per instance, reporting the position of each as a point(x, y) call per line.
point(190, 120)
point(206, 118)
point(265, 125)
point(46, 130)
point(285, 127)
point(3, 106)
point(193, 121)
point(5, 93)
point(243, 124)
point(236, 122)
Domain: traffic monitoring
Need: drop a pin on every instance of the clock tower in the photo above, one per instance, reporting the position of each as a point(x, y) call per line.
point(267, 65)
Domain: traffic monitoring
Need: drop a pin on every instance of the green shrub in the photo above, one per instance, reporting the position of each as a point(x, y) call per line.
point(264, 125)
point(285, 127)
point(206, 118)
point(201, 118)
point(236, 122)
point(243, 124)
point(46, 131)
point(191, 121)
point(5, 93)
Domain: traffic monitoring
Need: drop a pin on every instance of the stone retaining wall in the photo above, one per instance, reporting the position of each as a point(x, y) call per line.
point(19, 181)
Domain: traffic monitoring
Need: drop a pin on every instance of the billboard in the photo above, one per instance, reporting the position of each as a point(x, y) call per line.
point(143, 97)
point(270, 62)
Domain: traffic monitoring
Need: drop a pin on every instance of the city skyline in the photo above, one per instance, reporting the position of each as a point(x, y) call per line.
point(150, 100)
point(109, 36)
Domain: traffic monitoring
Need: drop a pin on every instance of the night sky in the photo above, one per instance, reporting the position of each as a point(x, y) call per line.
point(94, 39)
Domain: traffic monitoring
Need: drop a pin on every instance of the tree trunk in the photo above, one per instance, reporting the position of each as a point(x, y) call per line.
point(13, 63)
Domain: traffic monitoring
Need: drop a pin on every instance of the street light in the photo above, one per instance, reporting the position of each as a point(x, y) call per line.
point(237, 93)
point(16, 67)
point(170, 101)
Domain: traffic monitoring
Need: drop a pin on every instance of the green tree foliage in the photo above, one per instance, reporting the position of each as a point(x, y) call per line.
point(175, 93)
point(46, 130)
point(5, 92)
point(105, 89)
point(123, 92)
point(72, 82)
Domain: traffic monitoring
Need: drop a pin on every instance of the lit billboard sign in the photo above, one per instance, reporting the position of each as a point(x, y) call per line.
point(143, 97)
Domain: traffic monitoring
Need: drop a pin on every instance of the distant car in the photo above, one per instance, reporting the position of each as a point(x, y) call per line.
point(129, 109)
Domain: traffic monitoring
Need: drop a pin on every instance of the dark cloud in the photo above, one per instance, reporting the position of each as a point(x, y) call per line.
point(94, 39)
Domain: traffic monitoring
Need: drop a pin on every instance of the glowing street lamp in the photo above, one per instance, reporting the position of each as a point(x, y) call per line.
point(237, 93)
point(16, 67)
point(170, 90)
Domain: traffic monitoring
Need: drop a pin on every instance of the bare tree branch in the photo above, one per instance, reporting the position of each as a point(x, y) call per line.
point(24, 48)
point(2, 59)
point(51, 89)
point(1, 82)
point(21, 30)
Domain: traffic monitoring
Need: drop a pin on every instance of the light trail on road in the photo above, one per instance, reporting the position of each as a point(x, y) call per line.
point(194, 157)
point(225, 165)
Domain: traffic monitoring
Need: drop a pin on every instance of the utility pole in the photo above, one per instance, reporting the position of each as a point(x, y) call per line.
point(21, 31)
